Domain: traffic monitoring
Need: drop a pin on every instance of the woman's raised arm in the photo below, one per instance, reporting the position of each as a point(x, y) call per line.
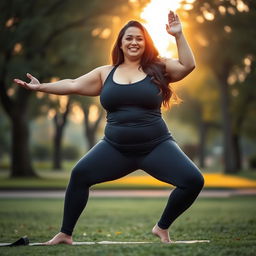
point(89, 84)
point(179, 68)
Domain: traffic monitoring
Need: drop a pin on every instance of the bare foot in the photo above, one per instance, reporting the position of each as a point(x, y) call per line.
point(60, 238)
point(163, 234)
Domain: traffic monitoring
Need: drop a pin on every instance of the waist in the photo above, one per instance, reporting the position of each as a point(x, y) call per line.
point(137, 133)
point(133, 116)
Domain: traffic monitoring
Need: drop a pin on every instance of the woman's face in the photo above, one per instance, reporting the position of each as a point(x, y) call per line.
point(133, 43)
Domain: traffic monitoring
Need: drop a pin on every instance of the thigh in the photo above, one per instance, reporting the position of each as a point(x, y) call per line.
point(168, 163)
point(102, 163)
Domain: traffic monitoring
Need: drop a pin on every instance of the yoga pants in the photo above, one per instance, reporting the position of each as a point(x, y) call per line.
point(166, 162)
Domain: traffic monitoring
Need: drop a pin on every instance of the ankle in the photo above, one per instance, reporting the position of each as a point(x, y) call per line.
point(65, 235)
point(164, 229)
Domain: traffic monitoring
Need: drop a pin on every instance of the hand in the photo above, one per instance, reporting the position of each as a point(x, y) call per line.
point(174, 25)
point(33, 85)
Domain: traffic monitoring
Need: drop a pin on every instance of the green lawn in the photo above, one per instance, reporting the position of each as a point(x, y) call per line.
point(229, 223)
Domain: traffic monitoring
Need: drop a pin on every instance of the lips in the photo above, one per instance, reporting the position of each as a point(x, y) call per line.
point(133, 48)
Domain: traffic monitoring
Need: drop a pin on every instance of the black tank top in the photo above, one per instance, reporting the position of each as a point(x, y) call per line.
point(134, 119)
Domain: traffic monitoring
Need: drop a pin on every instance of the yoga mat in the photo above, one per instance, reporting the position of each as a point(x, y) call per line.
point(25, 241)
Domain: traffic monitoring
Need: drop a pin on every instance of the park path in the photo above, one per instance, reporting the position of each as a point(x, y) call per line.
point(121, 193)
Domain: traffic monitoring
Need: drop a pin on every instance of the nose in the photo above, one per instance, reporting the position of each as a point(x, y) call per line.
point(134, 41)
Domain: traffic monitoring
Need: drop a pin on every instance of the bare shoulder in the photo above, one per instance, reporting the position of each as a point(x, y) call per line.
point(104, 72)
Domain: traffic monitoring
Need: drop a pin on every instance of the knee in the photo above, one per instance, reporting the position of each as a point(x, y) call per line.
point(75, 174)
point(78, 175)
point(199, 181)
point(196, 180)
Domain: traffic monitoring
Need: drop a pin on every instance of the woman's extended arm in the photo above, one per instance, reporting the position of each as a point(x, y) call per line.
point(178, 69)
point(89, 84)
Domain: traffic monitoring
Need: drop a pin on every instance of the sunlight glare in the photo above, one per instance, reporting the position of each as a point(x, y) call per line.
point(155, 15)
point(93, 113)
point(77, 114)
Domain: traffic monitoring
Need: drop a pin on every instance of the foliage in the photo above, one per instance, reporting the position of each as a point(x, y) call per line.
point(50, 40)
point(70, 152)
point(221, 35)
point(41, 151)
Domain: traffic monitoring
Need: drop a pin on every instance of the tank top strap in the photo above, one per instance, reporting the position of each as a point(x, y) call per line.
point(110, 75)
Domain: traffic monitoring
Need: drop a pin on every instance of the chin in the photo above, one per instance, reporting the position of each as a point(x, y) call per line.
point(138, 55)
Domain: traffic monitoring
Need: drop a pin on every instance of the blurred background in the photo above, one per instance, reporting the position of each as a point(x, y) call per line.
point(42, 135)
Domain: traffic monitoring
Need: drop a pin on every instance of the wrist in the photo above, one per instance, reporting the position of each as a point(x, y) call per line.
point(40, 86)
point(178, 35)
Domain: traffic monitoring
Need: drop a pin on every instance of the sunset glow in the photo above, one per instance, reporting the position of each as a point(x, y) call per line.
point(155, 15)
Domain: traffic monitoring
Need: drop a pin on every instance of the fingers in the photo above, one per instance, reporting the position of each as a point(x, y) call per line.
point(21, 83)
point(167, 27)
point(173, 17)
point(29, 76)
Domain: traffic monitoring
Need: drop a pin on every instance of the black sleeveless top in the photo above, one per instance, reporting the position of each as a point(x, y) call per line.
point(134, 119)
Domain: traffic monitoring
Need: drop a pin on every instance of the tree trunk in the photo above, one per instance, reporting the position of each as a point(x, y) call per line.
point(202, 143)
point(91, 137)
point(238, 124)
point(21, 159)
point(229, 154)
point(60, 121)
point(237, 151)
point(57, 141)
point(91, 128)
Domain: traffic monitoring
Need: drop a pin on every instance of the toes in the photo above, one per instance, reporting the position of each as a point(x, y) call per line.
point(166, 241)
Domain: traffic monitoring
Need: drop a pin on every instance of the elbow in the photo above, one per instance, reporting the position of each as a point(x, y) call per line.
point(191, 67)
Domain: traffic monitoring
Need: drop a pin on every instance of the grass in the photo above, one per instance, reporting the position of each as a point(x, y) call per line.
point(229, 223)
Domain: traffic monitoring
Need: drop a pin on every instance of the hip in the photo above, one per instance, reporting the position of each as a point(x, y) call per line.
point(140, 148)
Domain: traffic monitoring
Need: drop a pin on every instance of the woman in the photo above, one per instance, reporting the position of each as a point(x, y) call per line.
point(132, 91)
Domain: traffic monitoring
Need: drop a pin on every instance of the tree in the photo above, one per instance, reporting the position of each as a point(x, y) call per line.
point(200, 108)
point(219, 29)
point(93, 115)
point(244, 98)
point(33, 36)
point(59, 120)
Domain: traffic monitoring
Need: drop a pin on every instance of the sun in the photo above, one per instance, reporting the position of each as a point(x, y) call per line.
point(155, 15)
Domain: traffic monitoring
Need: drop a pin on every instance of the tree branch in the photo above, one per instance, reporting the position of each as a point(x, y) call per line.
point(53, 7)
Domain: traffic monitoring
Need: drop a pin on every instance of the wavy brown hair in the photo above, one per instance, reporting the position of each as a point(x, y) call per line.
point(151, 63)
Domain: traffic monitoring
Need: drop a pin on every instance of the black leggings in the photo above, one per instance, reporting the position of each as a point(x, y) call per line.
point(166, 162)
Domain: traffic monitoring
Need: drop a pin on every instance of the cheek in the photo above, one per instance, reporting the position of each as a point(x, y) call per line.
point(124, 45)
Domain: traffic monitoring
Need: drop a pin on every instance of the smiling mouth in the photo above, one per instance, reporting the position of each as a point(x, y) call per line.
point(133, 49)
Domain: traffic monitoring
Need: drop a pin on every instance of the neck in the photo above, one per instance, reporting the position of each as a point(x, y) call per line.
point(131, 63)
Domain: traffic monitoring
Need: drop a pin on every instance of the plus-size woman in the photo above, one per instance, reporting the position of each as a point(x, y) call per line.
point(132, 91)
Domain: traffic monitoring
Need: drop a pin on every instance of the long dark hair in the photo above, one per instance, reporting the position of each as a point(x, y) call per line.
point(151, 63)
